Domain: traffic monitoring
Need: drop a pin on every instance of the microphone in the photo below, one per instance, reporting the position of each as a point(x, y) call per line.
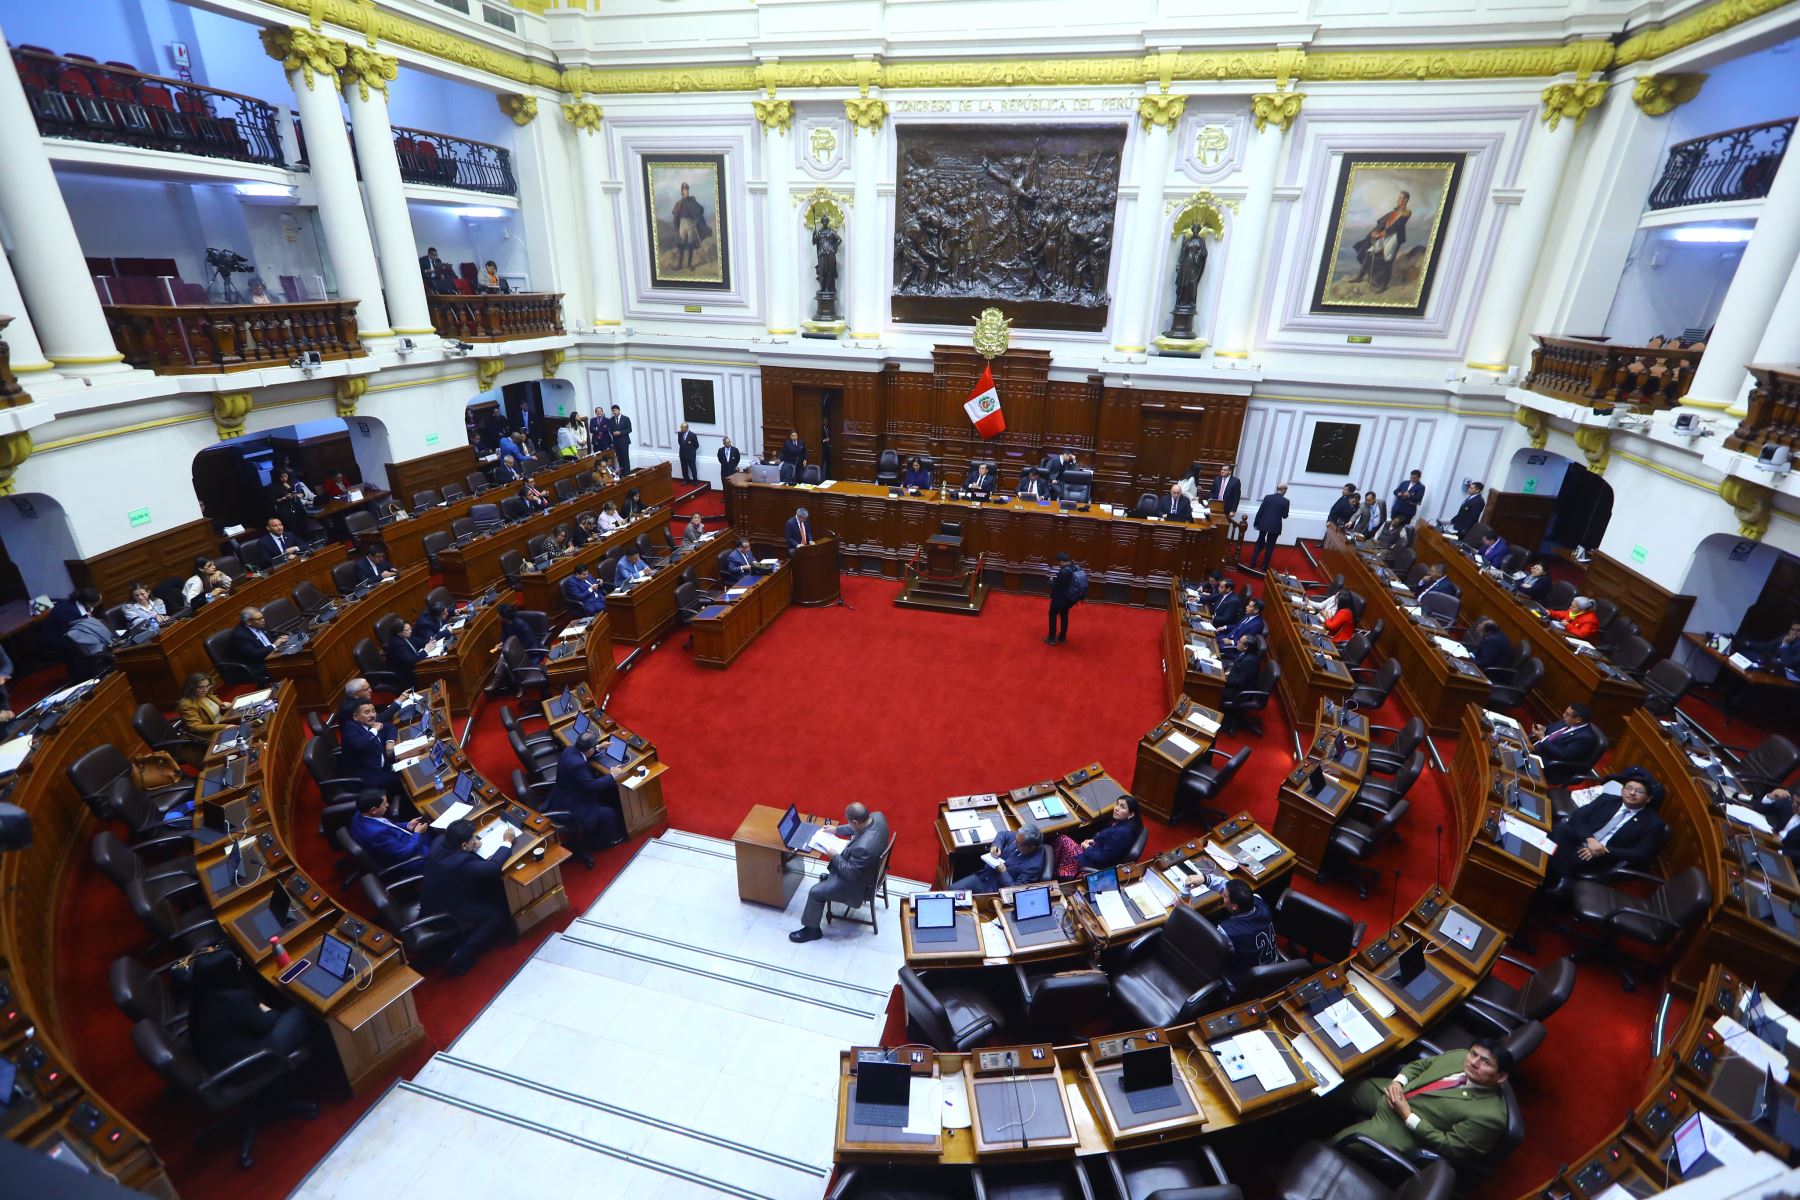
point(1437, 857)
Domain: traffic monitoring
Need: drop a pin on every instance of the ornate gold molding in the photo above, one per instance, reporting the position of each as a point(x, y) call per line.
point(368, 70)
point(866, 112)
point(1276, 108)
point(775, 116)
point(1537, 424)
point(583, 115)
point(553, 361)
point(230, 411)
point(305, 51)
point(1697, 26)
point(1596, 446)
point(487, 371)
point(1751, 503)
point(347, 391)
point(823, 204)
point(15, 448)
point(1159, 110)
point(1660, 95)
point(1572, 101)
point(522, 109)
point(1200, 212)
point(375, 24)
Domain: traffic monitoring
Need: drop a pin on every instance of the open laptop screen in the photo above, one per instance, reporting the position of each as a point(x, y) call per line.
point(790, 821)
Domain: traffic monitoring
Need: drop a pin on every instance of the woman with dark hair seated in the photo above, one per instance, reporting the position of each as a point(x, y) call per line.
point(1112, 842)
point(916, 475)
point(226, 1022)
point(1340, 626)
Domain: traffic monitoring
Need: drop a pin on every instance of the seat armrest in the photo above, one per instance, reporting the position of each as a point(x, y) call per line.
point(1500, 1018)
point(255, 1059)
point(1519, 963)
point(1634, 873)
point(1380, 1151)
point(1138, 947)
point(428, 922)
point(846, 1180)
point(1356, 934)
point(390, 876)
point(1204, 995)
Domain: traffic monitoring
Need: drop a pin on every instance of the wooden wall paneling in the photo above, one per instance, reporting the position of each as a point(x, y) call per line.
point(1660, 614)
point(429, 471)
point(906, 422)
point(150, 560)
point(314, 458)
point(1072, 416)
point(1517, 517)
point(1118, 436)
point(777, 407)
point(863, 411)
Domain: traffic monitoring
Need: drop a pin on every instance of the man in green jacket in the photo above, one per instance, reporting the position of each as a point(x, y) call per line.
point(1450, 1104)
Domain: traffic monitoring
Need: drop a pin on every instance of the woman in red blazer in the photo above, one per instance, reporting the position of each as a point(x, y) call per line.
point(1341, 624)
point(1579, 619)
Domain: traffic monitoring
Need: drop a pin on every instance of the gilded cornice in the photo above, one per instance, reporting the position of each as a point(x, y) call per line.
point(1710, 21)
point(1160, 111)
point(15, 448)
point(823, 204)
point(379, 25)
point(1660, 95)
point(1571, 101)
point(368, 70)
point(1276, 108)
point(1596, 446)
point(487, 373)
point(230, 411)
point(553, 361)
point(347, 391)
point(583, 115)
point(1536, 424)
point(1750, 502)
point(522, 109)
point(307, 52)
point(776, 116)
point(866, 113)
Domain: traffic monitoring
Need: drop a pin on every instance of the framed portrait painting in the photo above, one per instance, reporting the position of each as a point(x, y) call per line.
point(1386, 234)
point(684, 196)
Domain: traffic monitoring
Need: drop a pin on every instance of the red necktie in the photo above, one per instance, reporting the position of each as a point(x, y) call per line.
point(804, 540)
point(1444, 1084)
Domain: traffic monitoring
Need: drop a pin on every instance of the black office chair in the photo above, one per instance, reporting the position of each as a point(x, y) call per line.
point(1169, 1173)
point(1389, 758)
point(1561, 593)
point(102, 778)
point(566, 490)
point(426, 498)
point(1469, 1171)
point(1313, 930)
point(538, 740)
point(363, 863)
point(145, 995)
point(513, 509)
point(1373, 693)
point(345, 577)
point(857, 1181)
point(425, 939)
point(169, 591)
point(946, 1015)
point(538, 761)
point(1441, 610)
point(463, 530)
point(159, 733)
point(1656, 920)
point(477, 482)
point(231, 670)
point(1173, 974)
point(538, 546)
point(487, 517)
point(1515, 559)
point(387, 626)
point(248, 1092)
point(1667, 682)
point(282, 615)
point(1379, 798)
point(1066, 1180)
point(1355, 652)
point(1401, 558)
point(1560, 774)
point(372, 665)
point(454, 491)
point(537, 797)
point(358, 523)
point(1146, 505)
point(1057, 999)
point(887, 468)
point(517, 672)
point(1205, 782)
point(1605, 611)
point(512, 564)
point(174, 880)
point(1496, 1009)
point(1246, 704)
point(1353, 839)
point(1512, 694)
point(1377, 627)
point(1318, 1170)
point(1768, 765)
point(1633, 655)
point(181, 931)
point(811, 473)
point(231, 565)
point(1077, 486)
point(319, 756)
point(253, 556)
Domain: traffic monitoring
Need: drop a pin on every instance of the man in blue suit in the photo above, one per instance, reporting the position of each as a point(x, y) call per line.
point(631, 569)
point(1252, 623)
point(588, 793)
point(579, 592)
point(799, 533)
point(461, 884)
point(1408, 496)
point(1021, 857)
point(388, 842)
point(364, 746)
point(1567, 745)
point(738, 562)
point(372, 566)
point(1493, 549)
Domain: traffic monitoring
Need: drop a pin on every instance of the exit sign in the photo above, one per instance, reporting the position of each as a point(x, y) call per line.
point(1639, 554)
point(431, 439)
point(1530, 486)
point(138, 516)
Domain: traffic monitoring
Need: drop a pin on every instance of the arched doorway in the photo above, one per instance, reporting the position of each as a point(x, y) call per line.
point(232, 478)
point(35, 544)
point(1582, 511)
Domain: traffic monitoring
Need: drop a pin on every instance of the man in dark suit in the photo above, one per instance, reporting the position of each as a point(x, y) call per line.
point(1493, 549)
point(1244, 673)
point(1269, 515)
point(505, 471)
point(792, 457)
point(1436, 583)
point(389, 842)
point(83, 602)
point(276, 544)
point(687, 447)
point(581, 593)
point(1536, 584)
point(621, 439)
point(1062, 599)
point(1021, 858)
point(729, 457)
point(1175, 506)
point(1566, 746)
point(1250, 624)
point(738, 562)
point(851, 871)
point(1779, 655)
point(372, 566)
point(460, 883)
point(1033, 486)
point(1408, 495)
point(1612, 829)
point(1777, 808)
point(799, 533)
point(1343, 509)
point(1226, 491)
point(1228, 609)
point(1469, 515)
point(438, 275)
point(251, 643)
point(365, 746)
point(981, 480)
point(358, 692)
point(588, 792)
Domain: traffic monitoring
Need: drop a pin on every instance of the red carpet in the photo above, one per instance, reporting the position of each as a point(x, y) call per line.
point(897, 708)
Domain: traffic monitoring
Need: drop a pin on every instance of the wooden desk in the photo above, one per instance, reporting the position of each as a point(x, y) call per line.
point(724, 631)
point(542, 590)
point(816, 573)
point(405, 540)
point(318, 668)
point(1568, 677)
point(959, 856)
point(373, 1019)
point(1180, 742)
point(643, 612)
point(1129, 561)
point(1311, 668)
point(639, 776)
point(1185, 673)
point(1779, 688)
point(1305, 822)
point(469, 661)
point(767, 871)
point(159, 667)
point(588, 658)
point(1500, 879)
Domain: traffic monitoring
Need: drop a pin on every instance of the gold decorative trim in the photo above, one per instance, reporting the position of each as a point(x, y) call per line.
point(31, 368)
point(823, 204)
point(553, 361)
point(1572, 101)
point(584, 116)
point(1596, 446)
point(1660, 95)
point(1697, 26)
point(368, 70)
point(307, 52)
point(1498, 368)
point(85, 360)
point(1131, 349)
point(15, 448)
point(599, 322)
point(1751, 503)
point(522, 109)
point(866, 113)
point(867, 337)
point(1536, 424)
point(415, 332)
point(487, 372)
point(783, 332)
point(1160, 111)
point(1231, 354)
point(1200, 212)
point(375, 23)
point(1277, 108)
point(993, 333)
point(1709, 405)
point(347, 391)
point(230, 411)
point(1185, 346)
point(775, 116)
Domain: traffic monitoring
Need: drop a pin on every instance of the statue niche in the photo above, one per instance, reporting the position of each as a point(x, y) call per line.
point(1015, 216)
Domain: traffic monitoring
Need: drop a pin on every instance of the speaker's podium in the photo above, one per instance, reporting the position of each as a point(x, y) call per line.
point(935, 577)
point(816, 573)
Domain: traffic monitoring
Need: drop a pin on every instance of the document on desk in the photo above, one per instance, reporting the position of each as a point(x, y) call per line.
point(1146, 899)
point(1737, 812)
point(993, 860)
point(251, 699)
point(1261, 847)
point(411, 746)
point(1372, 995)
point(13, 753)
point(956, 1113)
point(1747, 1045)
point(1183, 742)
point(1159, 887)
point(1222, 856)
point(965, 818)
point(494, 838)
point(828, 844)
point(456, 812)
point(1202, 722)
point(1501, 719)
point(577, 628)
point(1531, 835)
point(993, 940)
point(1780, 1015)
point(1742, 662)
point(1451, 647)
point(1323, 1073)
point(1346, 1025)
point(1265, 1061)
point(1232, 1059)
point(1457, 926)
point(1113, 911)
point(924, 1106)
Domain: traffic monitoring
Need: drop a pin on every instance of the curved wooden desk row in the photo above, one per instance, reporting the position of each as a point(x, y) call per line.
point(542, 590)
point(636, 768)
point(57, 1110)
point(1436, 683)
point(1129, 560)
point(1312, 669)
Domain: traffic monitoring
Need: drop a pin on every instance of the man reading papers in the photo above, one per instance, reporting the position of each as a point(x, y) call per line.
point(851, 869)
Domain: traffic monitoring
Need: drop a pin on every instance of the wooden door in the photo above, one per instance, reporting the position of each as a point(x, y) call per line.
point(809, 417)
point(1171, 439)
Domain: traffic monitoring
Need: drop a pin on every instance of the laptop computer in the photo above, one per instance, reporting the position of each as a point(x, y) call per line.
point(1148, 1078)
point(1031, 909)
point(795, 833)
point(934, 919)
point(1103, 881)
point(1690, 1151)
point(881, 1094)
point(269, 920)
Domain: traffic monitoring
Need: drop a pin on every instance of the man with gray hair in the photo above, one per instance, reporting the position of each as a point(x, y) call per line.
point(251, 644)
point(851, 871)
point(798, 532)
point(1013, 859)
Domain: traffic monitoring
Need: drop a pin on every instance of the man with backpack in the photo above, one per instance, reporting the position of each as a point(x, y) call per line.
point(1068, 588)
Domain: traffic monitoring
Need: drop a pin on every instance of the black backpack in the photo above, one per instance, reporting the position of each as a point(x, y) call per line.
point(1078, 586)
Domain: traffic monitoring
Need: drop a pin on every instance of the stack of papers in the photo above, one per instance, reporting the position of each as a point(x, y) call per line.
point(456, 812)
point(1202, 722)
point(1502, 719)
point(1531, 835)
point(828, 844)
point(249, 699)
point(1049, 808)
point(1148, 899)
point(496, 836)
point(925, 1105)
point(1254, 1053)
point(1183, 743)
point(13, 753)
point(1317, 1063)
point(1747, 1045)
point(1742, 662)
point(1737, 812)
point(993, 940)
point(1222, 856)
point(1346, 1025)
point(1113, 911)
point(1372, 995)
point(965, 818)
point(411, 747)
point(1452, 647)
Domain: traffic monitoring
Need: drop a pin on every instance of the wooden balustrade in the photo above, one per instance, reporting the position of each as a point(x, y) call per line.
point(11, 394)
point(498, 318)
point(1774, 410)
point(205, 339)
point(1589, 372)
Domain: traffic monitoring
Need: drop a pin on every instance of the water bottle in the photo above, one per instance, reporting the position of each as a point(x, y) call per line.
point(282, 958)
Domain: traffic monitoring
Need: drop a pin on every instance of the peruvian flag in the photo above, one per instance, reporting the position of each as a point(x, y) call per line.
point(983, 406)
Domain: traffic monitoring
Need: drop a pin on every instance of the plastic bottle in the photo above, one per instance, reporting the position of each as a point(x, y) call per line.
point(282, 958)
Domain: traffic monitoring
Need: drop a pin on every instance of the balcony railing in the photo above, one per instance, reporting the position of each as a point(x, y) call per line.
point(74, 97)
point(11, 394)
point(1738, 164)
point(445, 161)
point(213, 338)
point(497, 318)
point(1589, 373)
point(1774, 410)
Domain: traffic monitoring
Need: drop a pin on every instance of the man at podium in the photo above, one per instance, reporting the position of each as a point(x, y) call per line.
point(799, 533)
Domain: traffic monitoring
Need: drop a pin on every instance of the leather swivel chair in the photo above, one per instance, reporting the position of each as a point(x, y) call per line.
point(859, 1181)
point(372, 665)
point(320, 758)
point(1516, 689)
point(477, 482)
point(887, 468)
point(1441, 610)
point(1169, 1173)
point(426, 498)
point(102, 778)
point(344, 578)
point(1174, 973)
point(145, 995)
point(539, 761)
point(388, 626)
point(1559, 774)
point(1560, 595)
point(1495, 1008)
point(244, 1092)
point(1246, 704)
point(512, 562)
point(1388, 759)
point(1379, 798)
point(1201, 784)
point(513, 509)
point(947, 1015)
point(812, 473)
point(487, 517)
point(1354, 839)
point(1633, 655)
point(1656, 920)
point(181, 932)
point(1355, 651)
point(230, 669)
point(1767, 765)
point(1667, 682)
point(518, 673)
point(455, 491)
point(1066, 1180)
point(159, 733)
point(1057, 1000)
point(1469, 1171)
point(565, 489)
point(1372, 694)
point(174, 880)
point(1146, 505)
point(1313, 930)
point(1077, 486)
point(282, 615)
point(363, 863)
point(1317, 1170)
point(396, 907)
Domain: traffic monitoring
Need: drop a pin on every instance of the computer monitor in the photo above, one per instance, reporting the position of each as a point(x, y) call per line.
point(1411, 964)
point(1103, 881)
point(933, 912)
point(1030, 903)
point(281, 905)
point(1690, 1146)
point(565, 702)
point(234, 858)
point(1315, 780)
point(1150, 1067)
point(790, 821)
point(883, 1083)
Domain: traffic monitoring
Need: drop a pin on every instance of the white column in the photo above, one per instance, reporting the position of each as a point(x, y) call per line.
point(1540, 177)
point(1250, 224)
point(868, 237)
point(365, 79)
point(781, 259)
point(1749, 313)
point(27, 355)
point(1148, 236)
point(312, 63)
point(596, 209)
point(65, 311)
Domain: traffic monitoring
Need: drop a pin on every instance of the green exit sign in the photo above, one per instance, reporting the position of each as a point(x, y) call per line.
point(431, 439)
point(1530, 486)
point(138, 516)
point(1639, 554)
